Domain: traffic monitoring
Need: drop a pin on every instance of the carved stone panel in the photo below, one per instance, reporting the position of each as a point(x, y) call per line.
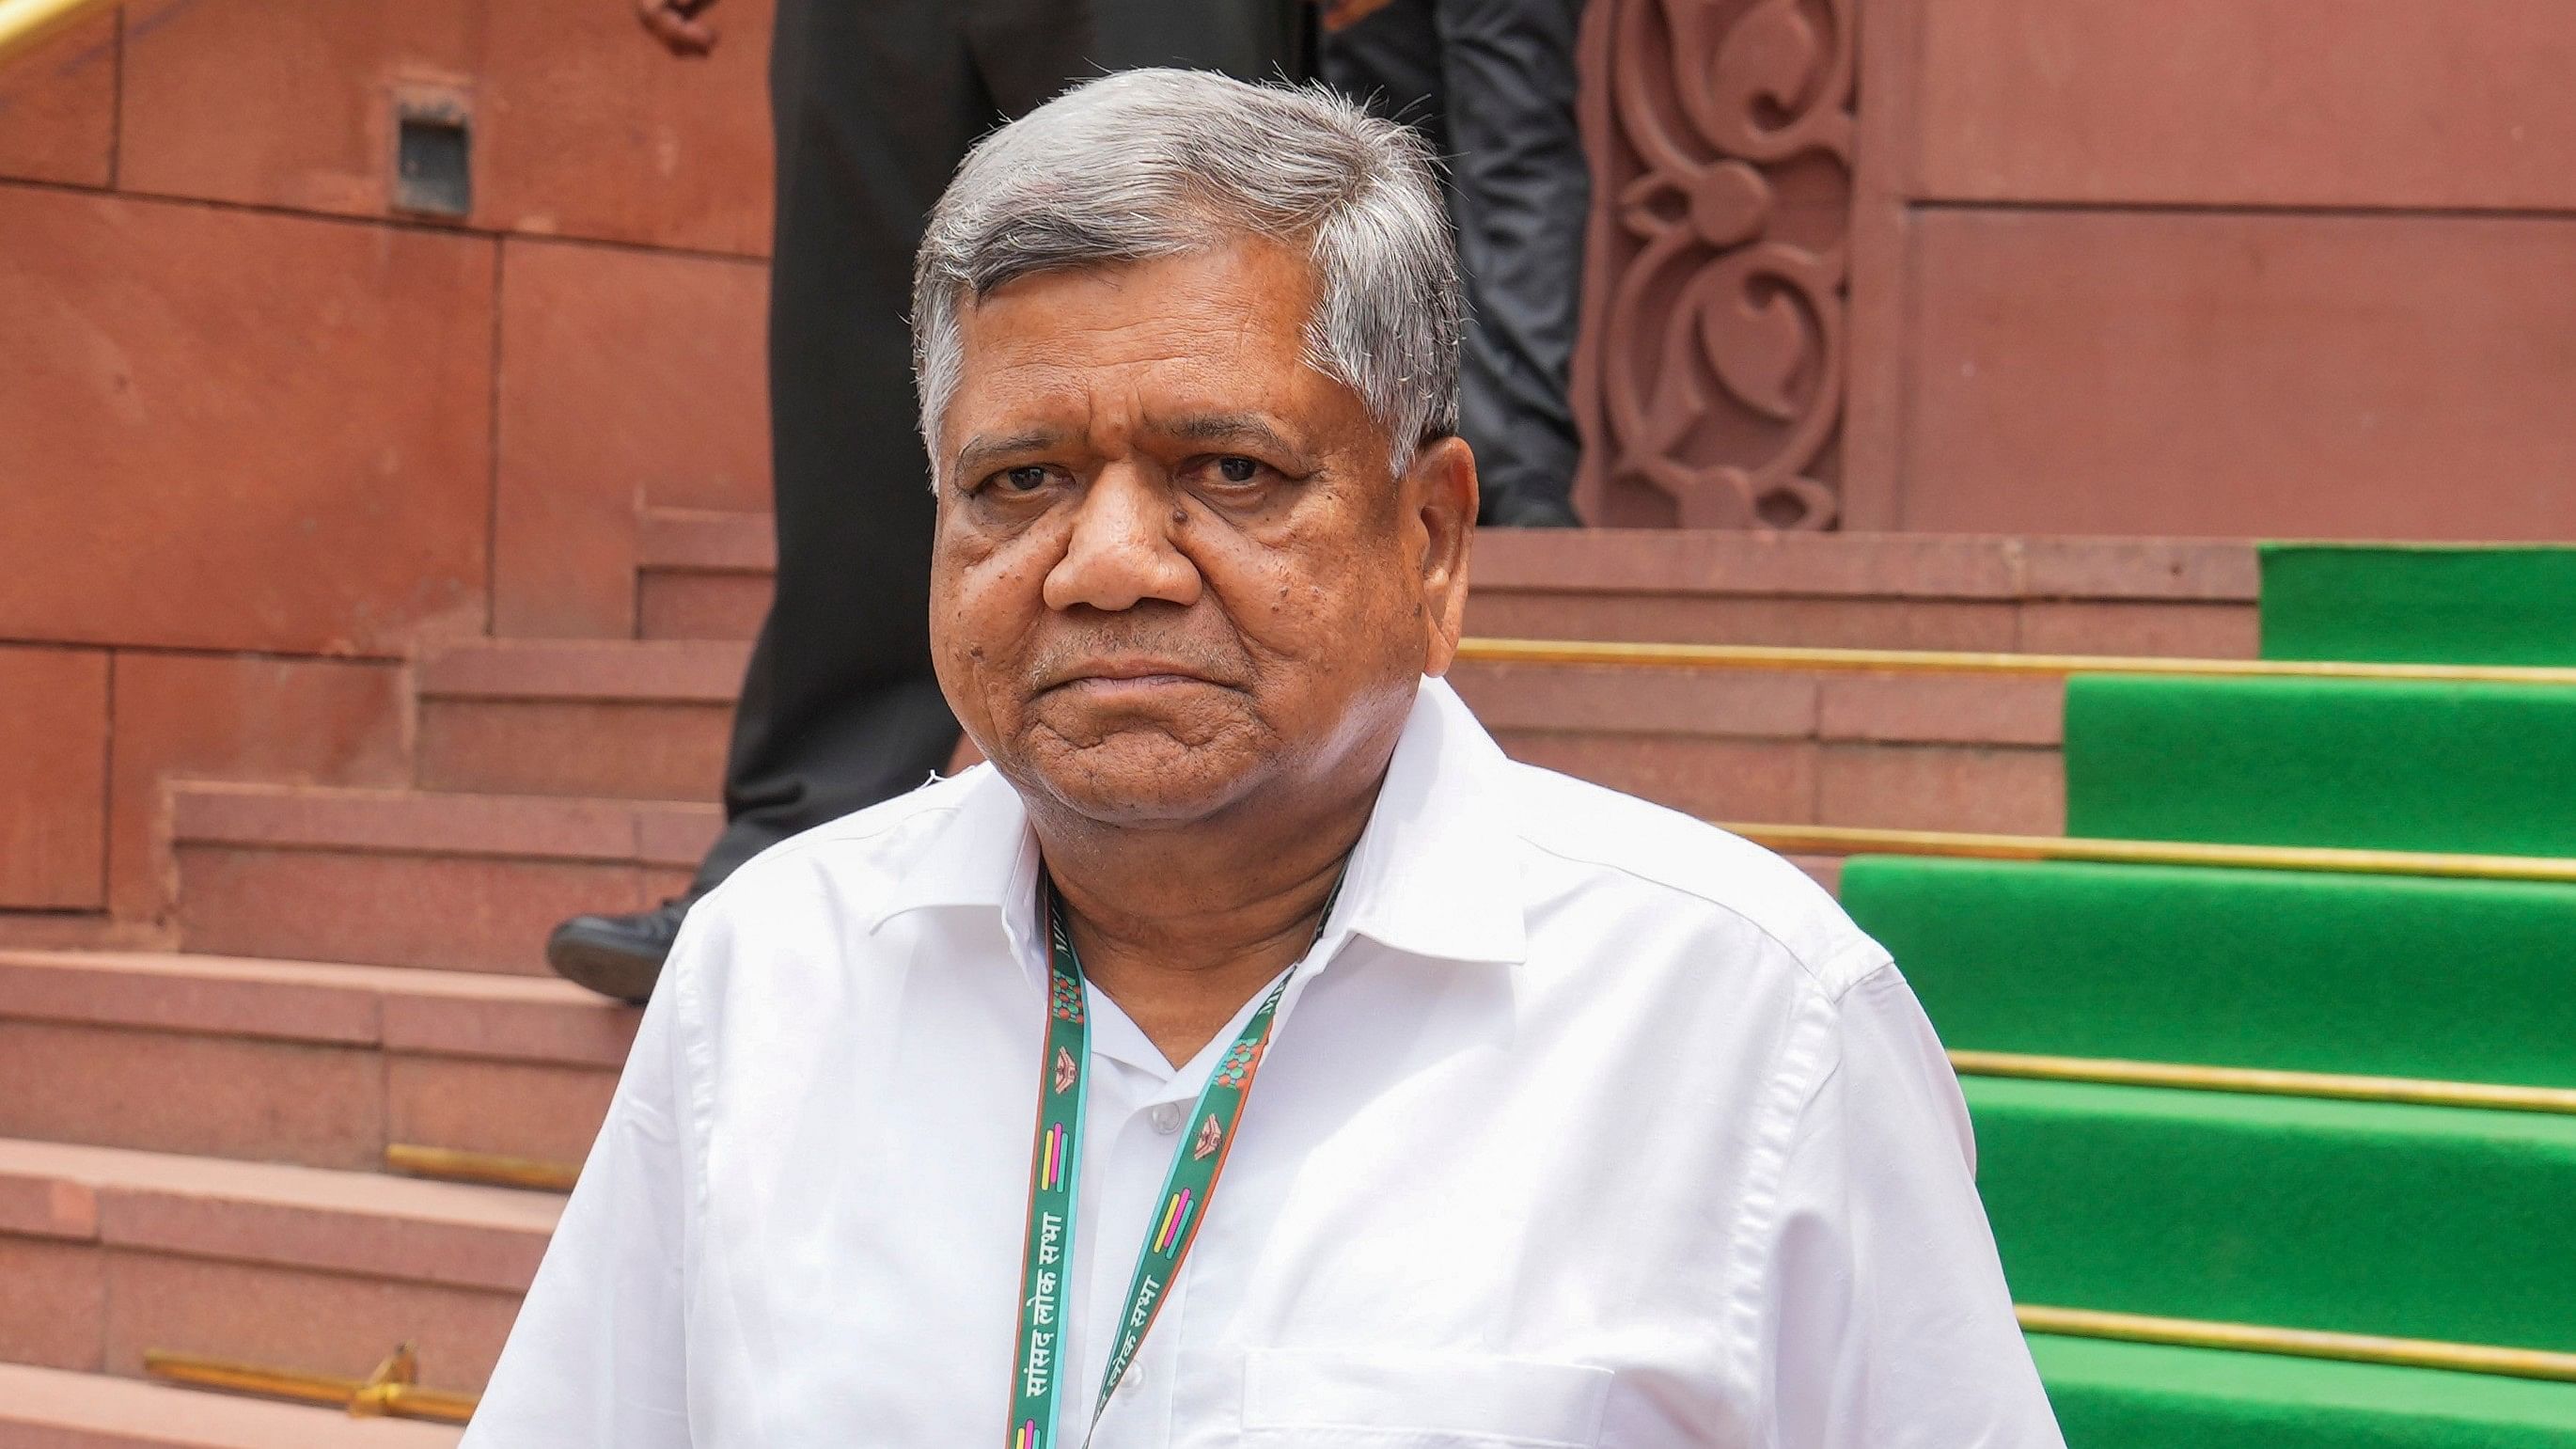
point(1709, 383)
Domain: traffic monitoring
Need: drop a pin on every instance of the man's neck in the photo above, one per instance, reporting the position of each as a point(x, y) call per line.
point(1181, 927)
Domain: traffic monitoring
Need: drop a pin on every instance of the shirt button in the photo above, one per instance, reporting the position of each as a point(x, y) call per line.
point(1167, 1118)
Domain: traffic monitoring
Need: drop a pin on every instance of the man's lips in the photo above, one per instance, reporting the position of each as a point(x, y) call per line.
point(1124, 674)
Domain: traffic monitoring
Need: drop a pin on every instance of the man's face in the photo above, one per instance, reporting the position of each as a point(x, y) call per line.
point(1173, 571)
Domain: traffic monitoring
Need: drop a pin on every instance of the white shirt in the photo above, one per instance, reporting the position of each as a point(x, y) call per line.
point(1583, 1124)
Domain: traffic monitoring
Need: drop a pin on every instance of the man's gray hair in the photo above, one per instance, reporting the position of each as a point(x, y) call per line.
point(1159, 163)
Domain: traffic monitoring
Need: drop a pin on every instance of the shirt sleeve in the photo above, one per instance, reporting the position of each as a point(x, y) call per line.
point(598, 1358)
point(1891, 1324)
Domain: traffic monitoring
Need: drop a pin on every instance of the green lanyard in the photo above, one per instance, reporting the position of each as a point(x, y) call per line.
point(1055, 1171)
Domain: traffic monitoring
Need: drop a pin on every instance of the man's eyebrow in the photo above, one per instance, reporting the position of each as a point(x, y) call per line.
point(1247, 428)
point(981, 452)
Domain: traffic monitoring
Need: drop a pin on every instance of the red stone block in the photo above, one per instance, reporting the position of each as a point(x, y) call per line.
point(285, 720)
point(711, 540)
point(363, 1224)
point(57, 1304)
point(58, 107)
point(671, 604)
point(1758, 704)
point(587, 127)
point(239, 430)
point(642, 751)
point(2139, 569)
point(287, 103)
point(454, 913)
point(580, 123)
point(38, 1204)
point(314, 1322)
point(504, 1018)
point(518, 1109)
point(171, 1092)
point(1969, 709)
point(2164, 630)
point(1658, 561)
point(2345, 103)
point(1701, 619)
point(626, 378)
point(2240, 374)
point(1716, 779)
point(2012, 791)
point(53, 777)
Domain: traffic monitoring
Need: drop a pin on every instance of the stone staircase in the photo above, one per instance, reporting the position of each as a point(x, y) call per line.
point(193, 1141)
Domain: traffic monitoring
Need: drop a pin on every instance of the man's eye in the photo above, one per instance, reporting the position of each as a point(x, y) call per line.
point(1237, 470)
point(1025, 479)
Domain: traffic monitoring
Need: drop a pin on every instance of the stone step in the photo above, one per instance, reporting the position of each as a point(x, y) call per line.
point(1919, 752)
point(414, 878)
point(644, 721)
point(706, 576)
point(289, 1061)
point(1960, 752)
point(109, 1253)
point(43, 1408)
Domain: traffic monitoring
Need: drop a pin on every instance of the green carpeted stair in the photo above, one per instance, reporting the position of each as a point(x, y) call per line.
point(2352, 1217)
point(2461, 980)
point(2488, 769)
point(2419, 604)
point(2138, 1396)
point(2449, 1224)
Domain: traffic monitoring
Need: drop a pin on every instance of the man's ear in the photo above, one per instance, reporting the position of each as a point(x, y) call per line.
point(1441, 487)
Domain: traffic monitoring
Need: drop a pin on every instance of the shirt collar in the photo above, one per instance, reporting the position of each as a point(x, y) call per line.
point(1431, 876)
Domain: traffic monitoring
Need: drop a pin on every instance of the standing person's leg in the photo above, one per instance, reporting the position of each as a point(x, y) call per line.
point(873, 106)
point(1522, 197)
point(1490, 84)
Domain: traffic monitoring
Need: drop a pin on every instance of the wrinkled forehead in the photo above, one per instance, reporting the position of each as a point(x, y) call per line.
point(1165, 343)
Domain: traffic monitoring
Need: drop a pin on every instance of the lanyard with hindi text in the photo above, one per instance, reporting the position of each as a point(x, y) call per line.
point(1055, 1171)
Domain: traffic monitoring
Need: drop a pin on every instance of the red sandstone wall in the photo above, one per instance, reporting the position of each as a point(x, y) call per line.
point(2271, 267)
point(260, 435)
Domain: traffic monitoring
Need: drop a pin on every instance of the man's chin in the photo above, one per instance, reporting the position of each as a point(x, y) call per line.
point(1141, 777)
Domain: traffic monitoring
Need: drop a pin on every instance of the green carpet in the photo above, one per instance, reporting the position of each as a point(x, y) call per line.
point(2423, 604)
point(2398, 976)
point(2134, 1396)
point(2484, 768)
point(2417, 1222)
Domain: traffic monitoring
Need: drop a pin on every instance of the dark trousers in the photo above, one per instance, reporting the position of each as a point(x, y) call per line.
point(874, 102)
point(1491, 84)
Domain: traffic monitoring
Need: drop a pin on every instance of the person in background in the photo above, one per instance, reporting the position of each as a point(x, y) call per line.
point(1490, 84)
point(873, 105)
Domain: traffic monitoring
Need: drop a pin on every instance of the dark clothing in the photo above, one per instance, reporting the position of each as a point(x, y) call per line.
point(1491, 84)
point(874, 103)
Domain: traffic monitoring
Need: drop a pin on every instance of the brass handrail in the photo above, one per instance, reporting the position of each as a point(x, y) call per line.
point(2264, 1082)
point(393, 1390)
point(23, 23)
point(1941, 661)
point(2475, 1358)
point(1971, 845)
point(491, 1168)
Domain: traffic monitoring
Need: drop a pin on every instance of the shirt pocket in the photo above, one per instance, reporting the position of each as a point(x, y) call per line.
point(1420, 1401)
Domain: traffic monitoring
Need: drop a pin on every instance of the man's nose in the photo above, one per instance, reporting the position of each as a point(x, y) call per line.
point(1123, 550)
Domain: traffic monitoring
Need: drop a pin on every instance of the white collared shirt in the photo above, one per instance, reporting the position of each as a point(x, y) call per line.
point(1583, 1124)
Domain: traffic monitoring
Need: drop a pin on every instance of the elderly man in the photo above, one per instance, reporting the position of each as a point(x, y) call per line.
point(1251, 1054)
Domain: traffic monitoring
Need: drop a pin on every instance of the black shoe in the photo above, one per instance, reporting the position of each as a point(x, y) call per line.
point(1514, 510)
point(616, 955)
